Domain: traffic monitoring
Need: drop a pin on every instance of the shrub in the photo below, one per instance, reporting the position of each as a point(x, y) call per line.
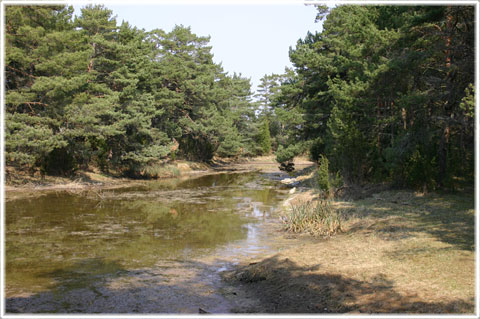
point(326, 182)
point(337, 181)
point(60, 161)
point(323, 179)
point(317, 218)
point(159, 171)
point(264, 139)
point(420, 170)
point(316, 149)
point(286, 154)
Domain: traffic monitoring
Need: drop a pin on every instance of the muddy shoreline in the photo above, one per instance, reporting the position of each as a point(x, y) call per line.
point(96, 180)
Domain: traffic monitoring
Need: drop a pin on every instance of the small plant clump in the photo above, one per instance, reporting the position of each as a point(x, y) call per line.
point(286, 154)
point(328, 183)
point(323, 178)
point(159, 171)
point(317, 218)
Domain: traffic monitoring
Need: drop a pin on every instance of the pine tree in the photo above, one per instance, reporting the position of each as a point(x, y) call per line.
point(40, 78)
point(264, 138)
point(353, 109)
point(89, 92)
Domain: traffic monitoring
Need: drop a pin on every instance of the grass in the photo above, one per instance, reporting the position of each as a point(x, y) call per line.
point(93, 175)
point(398, 252)
point(318, 218)
point(160, 171)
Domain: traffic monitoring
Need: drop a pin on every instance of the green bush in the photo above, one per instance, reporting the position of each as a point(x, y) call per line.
point(317, 218)
point(264, 139)
point(420, 170)
point(59, 162)
point(316, 149)
point(286, 154)
point(336, 181)
point(323, 179)
point(159, 171)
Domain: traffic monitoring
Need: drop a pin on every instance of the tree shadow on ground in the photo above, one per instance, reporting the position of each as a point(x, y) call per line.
point(273, 285)
point(98, 286)
point(282, 286)
point(452, 223)
point(448, 218)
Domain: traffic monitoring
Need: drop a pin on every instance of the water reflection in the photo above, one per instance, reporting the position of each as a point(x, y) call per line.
point(132, 227)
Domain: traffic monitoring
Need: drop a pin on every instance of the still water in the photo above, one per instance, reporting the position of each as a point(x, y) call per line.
point(154, 247)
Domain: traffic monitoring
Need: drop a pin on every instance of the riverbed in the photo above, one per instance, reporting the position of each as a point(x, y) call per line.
point(212, 242)
point(154, 247)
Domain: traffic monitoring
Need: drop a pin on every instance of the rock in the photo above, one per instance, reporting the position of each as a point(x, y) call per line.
point(288, 181)
point(200, 310)
point(292, 182)
point(289, 167)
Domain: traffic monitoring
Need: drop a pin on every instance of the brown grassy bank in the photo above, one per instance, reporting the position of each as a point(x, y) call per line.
point(21, 180)
point(400, 252)
point(17, 180)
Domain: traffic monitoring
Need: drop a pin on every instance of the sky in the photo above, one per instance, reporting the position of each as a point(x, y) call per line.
point(251, 39)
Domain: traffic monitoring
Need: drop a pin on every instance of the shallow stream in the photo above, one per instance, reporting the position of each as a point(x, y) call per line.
point(157, 247)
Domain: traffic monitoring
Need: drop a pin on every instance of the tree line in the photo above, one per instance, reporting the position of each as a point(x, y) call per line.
point(381, 94)
point(385, 93)
point(83, 91)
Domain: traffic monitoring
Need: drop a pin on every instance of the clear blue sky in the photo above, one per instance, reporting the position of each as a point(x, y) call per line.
point(249, 39)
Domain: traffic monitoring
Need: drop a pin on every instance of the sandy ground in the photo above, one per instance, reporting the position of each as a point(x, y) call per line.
point(18, 181)
point(22, 185)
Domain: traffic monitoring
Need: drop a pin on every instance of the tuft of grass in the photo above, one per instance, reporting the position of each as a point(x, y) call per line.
point(160, 171)
point(318, 218)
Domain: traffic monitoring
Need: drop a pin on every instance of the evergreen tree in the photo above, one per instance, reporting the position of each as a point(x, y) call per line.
point(185, 87)
point(87, 91)
point(236, 105)
point(264, 138)
point(373, 127)
point(40, 79)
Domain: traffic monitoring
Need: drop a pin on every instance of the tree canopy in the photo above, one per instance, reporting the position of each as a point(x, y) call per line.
point(384, 93)
point(86, 91)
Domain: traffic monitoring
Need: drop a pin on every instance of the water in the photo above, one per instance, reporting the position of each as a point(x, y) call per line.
point(156, 247)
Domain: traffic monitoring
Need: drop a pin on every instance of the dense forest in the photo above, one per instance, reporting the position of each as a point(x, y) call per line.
point(85, 91)
point(382, 94)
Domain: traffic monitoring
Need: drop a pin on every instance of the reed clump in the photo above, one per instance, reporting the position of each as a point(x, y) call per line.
point(318, 218)
point(160, 171)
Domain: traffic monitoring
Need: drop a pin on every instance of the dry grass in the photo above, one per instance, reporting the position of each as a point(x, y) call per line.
point(401, 252)
point(265, 164)
point(20, 183)
point(156, 171)
point(319, 218)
